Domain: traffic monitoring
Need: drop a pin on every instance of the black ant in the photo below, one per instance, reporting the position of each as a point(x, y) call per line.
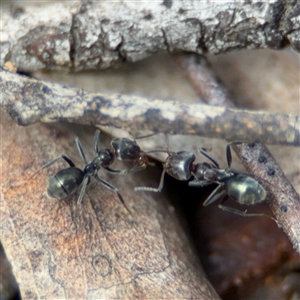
point(69, 180)
point(241, 187)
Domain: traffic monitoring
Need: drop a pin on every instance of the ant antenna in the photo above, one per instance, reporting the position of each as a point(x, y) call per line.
point(48, 164)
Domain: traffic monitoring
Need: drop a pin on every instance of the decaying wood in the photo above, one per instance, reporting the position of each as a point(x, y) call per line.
point(77, 35)
point(256, 158)
point(61, 250)
point(29, 101)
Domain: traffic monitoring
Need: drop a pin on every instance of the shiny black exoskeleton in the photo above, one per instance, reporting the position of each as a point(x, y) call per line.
point(125, 149)
point(66, 181)
point(69, 180)
point(241, 187)
point(180, 165)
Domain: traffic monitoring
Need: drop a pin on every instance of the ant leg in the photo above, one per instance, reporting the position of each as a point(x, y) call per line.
point(119, 172)
point(200, 183)
point(134, 169)
point(125, 171)
point(96, 141)
point(68, 160)
point(204, 153)
point(167, 150)
point(144, 136)
point(215, 195)
point(228, 152)
point(80, 150)
point(244, 213)
point(228, 155)
point(167, 143)
point(114, 189)
point(151, 189)
point(157, 151)
point(48, 164)
point(83, 188)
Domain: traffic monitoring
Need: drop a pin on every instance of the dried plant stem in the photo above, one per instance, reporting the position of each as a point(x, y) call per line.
point(256, 158)
point(29, 101)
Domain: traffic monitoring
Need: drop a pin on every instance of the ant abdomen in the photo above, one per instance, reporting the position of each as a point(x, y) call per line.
point(65, 183)
point(245, 190)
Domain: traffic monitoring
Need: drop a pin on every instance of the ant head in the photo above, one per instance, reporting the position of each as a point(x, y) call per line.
point(126, 149)
point(180, 164)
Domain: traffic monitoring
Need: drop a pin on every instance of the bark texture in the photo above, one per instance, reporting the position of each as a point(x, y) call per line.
point(29, 101)
point(62, 250)
point(98, 34)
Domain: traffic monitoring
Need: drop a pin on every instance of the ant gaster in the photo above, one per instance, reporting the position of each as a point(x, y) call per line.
point(241, 187)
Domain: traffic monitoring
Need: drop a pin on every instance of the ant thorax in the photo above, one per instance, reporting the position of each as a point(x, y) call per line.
point(93, 167)
point(105, 158)
point(220, 175)
point(200, 170)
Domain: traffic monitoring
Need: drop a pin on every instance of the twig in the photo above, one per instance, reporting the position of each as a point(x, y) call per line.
point(284, 200)
point(256, 158)
point(201, 76)
point(29, 101)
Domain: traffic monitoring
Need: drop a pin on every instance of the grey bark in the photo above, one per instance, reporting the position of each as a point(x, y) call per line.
point(99, 34)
